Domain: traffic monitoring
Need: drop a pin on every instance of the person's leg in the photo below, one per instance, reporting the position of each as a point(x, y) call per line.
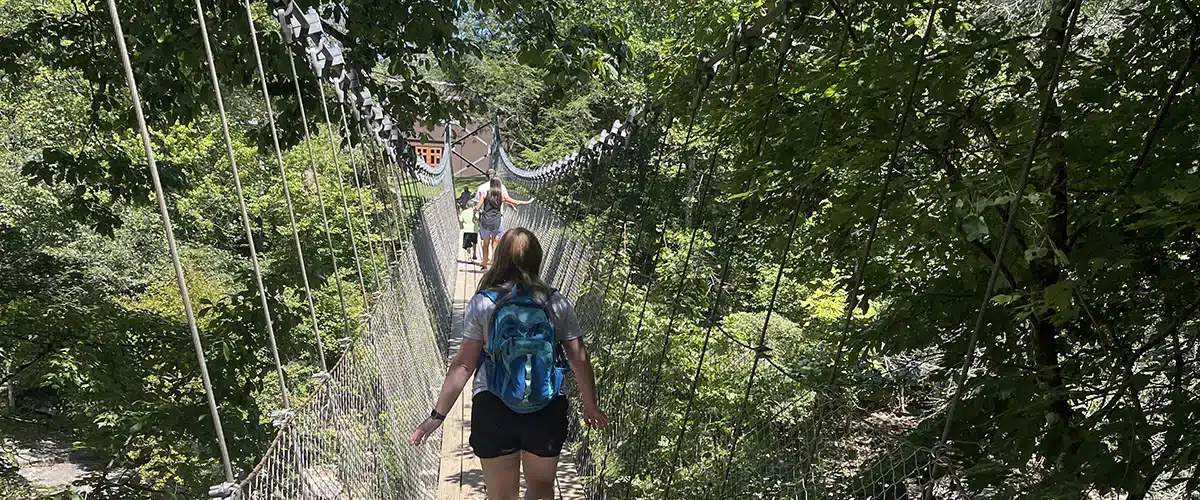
point(502, 475)
point(542, 436)
point(497, 447)
point(487, 250)
point(539, 476)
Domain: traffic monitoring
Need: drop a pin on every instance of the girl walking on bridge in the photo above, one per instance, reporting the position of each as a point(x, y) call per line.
point(491, 215)
point(522, 336)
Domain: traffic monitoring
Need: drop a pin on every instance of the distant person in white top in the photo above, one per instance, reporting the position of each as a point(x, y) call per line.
point(483, 188)
point(506, 440)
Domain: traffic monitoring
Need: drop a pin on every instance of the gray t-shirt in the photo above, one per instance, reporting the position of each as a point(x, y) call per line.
point(479, 314)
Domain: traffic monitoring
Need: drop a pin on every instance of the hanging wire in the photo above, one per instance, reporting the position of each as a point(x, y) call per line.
point(623, 367)
point(704, 84)
point(312, 163)
point(881, 201)
point(237, 184)
point(173, 249)
point(386, 243)
point(374, 171)
point(661, 360)
point(711, 317)
point(287, 196)
point(337, 168)
point(358, 193)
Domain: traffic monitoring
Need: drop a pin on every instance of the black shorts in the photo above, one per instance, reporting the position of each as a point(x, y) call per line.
point(470, 239)
point(497, 431)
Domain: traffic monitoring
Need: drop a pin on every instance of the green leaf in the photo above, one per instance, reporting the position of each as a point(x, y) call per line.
point(1058, 296)
point(1005, 299)
point(975, 228)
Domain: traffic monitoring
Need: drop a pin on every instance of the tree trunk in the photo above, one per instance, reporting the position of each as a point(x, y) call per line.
point(1047, 271)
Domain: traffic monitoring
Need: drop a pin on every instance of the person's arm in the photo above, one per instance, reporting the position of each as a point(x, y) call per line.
point(479, 204)
point(461, 369)
point(585, 378)
point(513, 202)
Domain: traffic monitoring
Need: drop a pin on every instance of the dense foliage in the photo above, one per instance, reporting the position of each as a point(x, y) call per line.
point(898, 133)
point(886, 132)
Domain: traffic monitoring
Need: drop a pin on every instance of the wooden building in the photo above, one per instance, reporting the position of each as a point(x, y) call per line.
point(469, 152)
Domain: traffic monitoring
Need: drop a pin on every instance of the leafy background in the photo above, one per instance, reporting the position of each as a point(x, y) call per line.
point(1085, 379)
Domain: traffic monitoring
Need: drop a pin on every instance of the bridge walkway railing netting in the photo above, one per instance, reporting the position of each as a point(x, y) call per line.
point(350, 439)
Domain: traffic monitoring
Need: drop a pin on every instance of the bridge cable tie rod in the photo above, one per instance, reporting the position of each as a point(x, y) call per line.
point(287, 196)
point(172, 247)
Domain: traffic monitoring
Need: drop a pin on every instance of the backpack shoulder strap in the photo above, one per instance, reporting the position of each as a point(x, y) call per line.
point(492, 295)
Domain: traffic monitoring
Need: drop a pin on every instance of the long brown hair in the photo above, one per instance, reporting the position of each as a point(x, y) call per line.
point(495, 194)
point(518, 261)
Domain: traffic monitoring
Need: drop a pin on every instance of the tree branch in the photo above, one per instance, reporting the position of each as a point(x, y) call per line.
point(980, 48)
point(17, 371)
point(1148, 141)
point(837, 9)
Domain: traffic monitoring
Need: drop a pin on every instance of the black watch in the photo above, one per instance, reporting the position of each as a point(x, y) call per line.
point(434, 415)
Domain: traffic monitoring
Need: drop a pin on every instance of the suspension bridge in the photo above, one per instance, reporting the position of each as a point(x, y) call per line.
point(604, 216)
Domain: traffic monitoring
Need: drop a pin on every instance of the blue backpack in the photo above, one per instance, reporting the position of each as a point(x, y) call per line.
point(523, 360)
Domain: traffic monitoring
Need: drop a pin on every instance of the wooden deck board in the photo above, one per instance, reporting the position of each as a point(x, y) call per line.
point(461, 474)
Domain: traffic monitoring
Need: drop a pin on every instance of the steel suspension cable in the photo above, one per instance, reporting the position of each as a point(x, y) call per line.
point(653, 277)
point(1009, 224)
point(406, 226)
point(395, 202)
point(626, 150)
point(623, 371)
point(334, 146)
point(388, 204)
point(370, 158)
point(760, 346)
point(606, 321)
point(591, 268)
point(237, 184)
point(705, 181)
point(172, 247)
point(287, 196)
point(399, 173)
point(312, 163)
point(358, 194)
point(573, 264)
point(407, 213)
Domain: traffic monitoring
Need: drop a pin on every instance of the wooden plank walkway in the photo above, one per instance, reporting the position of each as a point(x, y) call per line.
point(461, 474)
